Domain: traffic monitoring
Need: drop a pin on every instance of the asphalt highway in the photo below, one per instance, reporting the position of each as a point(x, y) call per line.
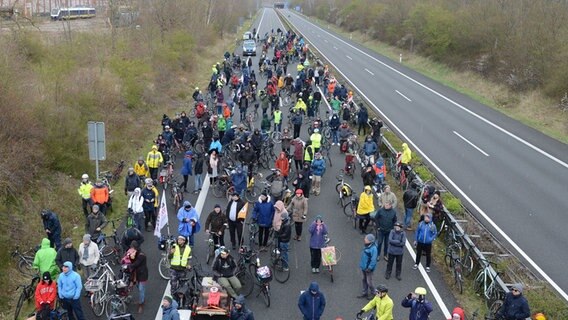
point(511, 176)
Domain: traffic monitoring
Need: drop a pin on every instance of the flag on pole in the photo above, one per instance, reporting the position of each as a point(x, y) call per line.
point(162, 218)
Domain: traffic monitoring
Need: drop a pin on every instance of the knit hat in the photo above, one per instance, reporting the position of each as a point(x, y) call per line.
point(518, 287)
point(369, 237)
point(67, 241)
point(87, 237)
point(46, 276)
point(168, 299)
point(217, 206)
point(319, 217)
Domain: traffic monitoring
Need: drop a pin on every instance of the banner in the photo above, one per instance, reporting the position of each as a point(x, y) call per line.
point(162, 218)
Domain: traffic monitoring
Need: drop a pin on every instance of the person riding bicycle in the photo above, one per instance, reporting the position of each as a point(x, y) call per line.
point(224, 270)
point(380, 172)
point(368, 176)
point(248, 157)
point(179, 256)
point(382, 304)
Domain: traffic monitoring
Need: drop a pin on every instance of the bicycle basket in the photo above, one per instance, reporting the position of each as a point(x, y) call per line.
point(263, 274)
point(94, 284)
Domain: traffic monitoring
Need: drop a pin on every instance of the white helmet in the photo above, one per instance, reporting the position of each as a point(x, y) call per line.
point(85, 176)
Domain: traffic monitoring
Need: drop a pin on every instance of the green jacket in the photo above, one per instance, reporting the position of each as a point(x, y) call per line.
point(221, 124)
point(45, 259)
point(382, 306)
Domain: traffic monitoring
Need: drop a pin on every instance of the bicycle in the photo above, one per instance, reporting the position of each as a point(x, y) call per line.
point(115, 249)
point(246, 258)
point(371, 316)
point(252, 191)
point(28, 292)
point(330, 256)
point(176, 194)
point(166, 174)
point(280, 267)
point(485, 284)
point(263, 277)
point(456, 241)
point(165, 245)
point(343, 189)
point(212, 247)
point(350, 210)
point(454, 264)
point(25, 261)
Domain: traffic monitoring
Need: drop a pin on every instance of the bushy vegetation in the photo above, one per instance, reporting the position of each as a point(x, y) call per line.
point(52, 85)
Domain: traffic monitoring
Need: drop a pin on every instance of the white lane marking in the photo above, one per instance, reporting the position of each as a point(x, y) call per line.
point(458, 189)
point(369, 71)
point(429, 282)
point(471, 144)
point(262, 17)
point(159, 313)
point(202, 195)
point(325, 40)
point(405, 97)
point(348, 57)
point(334, 47)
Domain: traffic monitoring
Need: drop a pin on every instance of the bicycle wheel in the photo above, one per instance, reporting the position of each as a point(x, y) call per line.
point(448, 260)
point(276, 137)
point(266, 295)
point(495, 307)
point(478, 282)
point(458, 277)
point(97, 303)
point(468, 263)
point(252, 194)
point(219, 189)
point(115, 306)
point(281, 272)
point(247, 283)
point(349, 210)
point(19, 305)
point(25, 266)
point(210, 253)
point(164, 268)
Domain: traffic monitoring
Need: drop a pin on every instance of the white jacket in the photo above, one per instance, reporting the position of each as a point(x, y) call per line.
point(94, 254)
point(135, 203)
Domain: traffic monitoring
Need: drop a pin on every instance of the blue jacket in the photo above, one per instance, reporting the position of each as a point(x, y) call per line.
point(51, 222)
point(362, 116)
point(370, 147)
point(312, 305)
point(171, 313)
point(515, 307)
point(418, 310)
point(187, 164)
point(239, 181)
point(368, 257)
point(228, 136)
point(69, 283)
point(318, 167)
point(216, 145)
point(263, 212)
point(397, 240)
point(425, 232)
point(334, 122)
point(185, 228)
point(317, 239)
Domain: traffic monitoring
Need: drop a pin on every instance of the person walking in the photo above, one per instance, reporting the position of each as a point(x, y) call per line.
point(67, 253)
point(262, 214)
point(385, 220)
point(410, 199)
point(365, 207)
point(52, 228)
point(382, 304)
point(318, 170)
point(188, 222)
point(235, 223)
point(186, 169)
point(299, 208)
point(44, 260)
point(154, 160)
point(426, 233)
point(169, 309)
point(397, 240)
point(367, 264)
point(89, 255)
point(139, 269)
point(215, 224)
point(240, 311)
point(515, 306)
point(69, 288)
point(312, 302)
point(420, 308)
point(318, 233)
point(198, 171)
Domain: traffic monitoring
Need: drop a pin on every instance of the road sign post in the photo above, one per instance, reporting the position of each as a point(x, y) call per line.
point(97, 143)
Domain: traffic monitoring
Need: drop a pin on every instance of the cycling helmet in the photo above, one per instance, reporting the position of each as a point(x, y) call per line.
point(148, 181)
point(182, 237)
point(85, 176)
point(316, 130)
point(196, 88)
point(420, 291)
point(382, 288)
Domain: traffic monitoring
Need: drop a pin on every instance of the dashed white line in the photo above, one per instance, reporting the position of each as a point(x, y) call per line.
point(325, 40)
point(405, 97)
point(369, 71)
point(334, 47)
point(471, 144)
point(348, 57)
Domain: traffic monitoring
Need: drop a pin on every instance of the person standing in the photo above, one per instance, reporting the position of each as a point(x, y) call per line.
point(69, 288)
point(215, 224)
point(318, 170)
point(85, 193)
point(130, 235)
point(515, 306)
point(385, 220)
point(277, 116)
point(150, 195)
point(154, 160)
point(136, 208)
point(410, 199)
point(312, 302)
point(397, 240)
point(44, 259)
point(45, 296)
point(284, 234)
point(235, 223)
point(188, 222)
point(131, 182)
point(100, 196)
point(420, 308)
point(141, 169)
point(318, 233)
point(213, 167)
point(365, 207)
point(186, 169)
point(139, 268)
point(89, 255)
point(425, 234)
point(382, 304)
point(239, 180)
point(179, 261)
point(367, 264)
point(52, 228)
point(240, 311)
point(299, 208)
point(388, 196)
point(283, 164)
point(169, 309)
point(198, 171)
point(67, 253)
point(262, 213)
point(362, 119)
point(97, 222)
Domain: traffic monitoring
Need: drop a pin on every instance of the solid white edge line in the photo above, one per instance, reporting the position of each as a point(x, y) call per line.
point(402, 95)
point(348, 57)
point(260, 23)
point(450, 181)
point(471, 144)
point(369, 71)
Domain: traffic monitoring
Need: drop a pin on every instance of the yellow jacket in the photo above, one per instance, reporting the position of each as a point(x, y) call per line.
point(141, 169)
point(301, 105)
point(383, 307)
point(154, 158)
point(366, 204)
point(85, 190)
point(315, 138)
point(406, 154)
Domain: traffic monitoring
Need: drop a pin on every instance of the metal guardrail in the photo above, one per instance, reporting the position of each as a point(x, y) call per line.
point(451, 221)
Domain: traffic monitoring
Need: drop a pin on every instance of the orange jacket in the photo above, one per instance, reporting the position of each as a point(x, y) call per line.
point(99, 194)
point(282, 164)
point(45, 293)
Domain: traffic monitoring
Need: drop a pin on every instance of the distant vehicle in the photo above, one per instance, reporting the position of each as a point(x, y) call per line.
point(248, 35)
point(279, 5)
point(249, 48)
point(73, 13)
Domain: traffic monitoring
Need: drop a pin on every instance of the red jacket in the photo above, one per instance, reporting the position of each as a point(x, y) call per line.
point(282, 164)
point(460, 312)
point(45, 293)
